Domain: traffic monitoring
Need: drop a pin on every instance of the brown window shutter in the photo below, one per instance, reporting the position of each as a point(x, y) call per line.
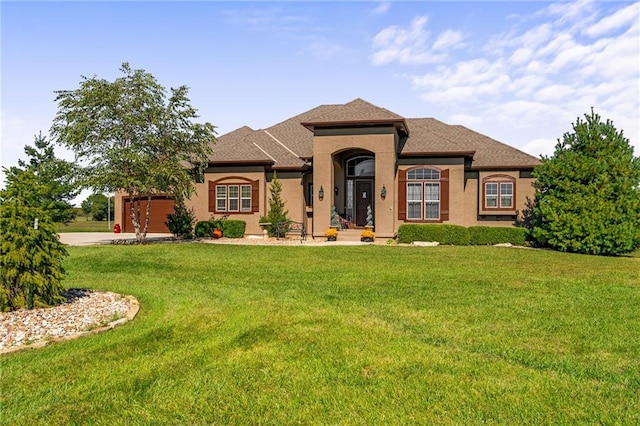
point(255, 196)
point(444, 195)
point(212, 197)
point(402, 195)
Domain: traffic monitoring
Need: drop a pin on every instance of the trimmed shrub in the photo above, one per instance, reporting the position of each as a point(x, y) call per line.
point(490, 235)
point(233, 228)
point(444, 234)
point(204, 229)
point(181, 222)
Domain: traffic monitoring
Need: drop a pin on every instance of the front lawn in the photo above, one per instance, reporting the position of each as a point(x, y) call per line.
point(83, 224)
point(342, 335)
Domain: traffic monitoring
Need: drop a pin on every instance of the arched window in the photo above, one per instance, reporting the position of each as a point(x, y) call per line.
point(364, 166)
point(423, 194)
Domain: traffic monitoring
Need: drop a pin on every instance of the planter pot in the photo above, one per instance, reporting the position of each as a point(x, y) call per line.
point(332, 238)
point(366, 240)
point(217, 233)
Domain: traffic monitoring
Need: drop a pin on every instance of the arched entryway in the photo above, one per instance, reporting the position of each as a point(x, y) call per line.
point(359, 175)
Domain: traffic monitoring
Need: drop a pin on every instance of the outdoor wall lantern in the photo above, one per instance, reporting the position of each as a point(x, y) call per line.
point(383, 193)
point(321, 193)
point(335, 190)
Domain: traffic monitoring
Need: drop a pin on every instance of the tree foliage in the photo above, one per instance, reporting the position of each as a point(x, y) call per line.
point(31, 254)
point(277, 212)
point(182, 220)
point(56, 180)
point(99, 206)
point(588, 192)
point(131, 137)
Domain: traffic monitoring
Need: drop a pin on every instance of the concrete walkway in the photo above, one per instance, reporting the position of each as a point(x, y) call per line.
point(92, 238)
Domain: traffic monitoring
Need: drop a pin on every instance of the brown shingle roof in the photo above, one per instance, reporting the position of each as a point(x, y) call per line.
point(356, 111)
point(237, 146)
point(287, 143)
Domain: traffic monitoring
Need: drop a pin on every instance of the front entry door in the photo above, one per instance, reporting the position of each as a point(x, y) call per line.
point(364, 198)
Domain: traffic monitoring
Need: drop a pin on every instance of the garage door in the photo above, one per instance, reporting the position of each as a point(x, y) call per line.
point(160, 207)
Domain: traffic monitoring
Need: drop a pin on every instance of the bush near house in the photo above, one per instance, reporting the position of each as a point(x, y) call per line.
point(204, 229)
point(233, 228)
point(229, 228)
point(461, 236)
point(445, 234)
point(490, 235)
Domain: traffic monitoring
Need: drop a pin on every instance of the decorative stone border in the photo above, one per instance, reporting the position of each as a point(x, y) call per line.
point(134, 307)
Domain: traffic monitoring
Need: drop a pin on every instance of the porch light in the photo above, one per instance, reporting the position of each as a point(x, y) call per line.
point(321, 193)
point(383, 193)
point(335, 190)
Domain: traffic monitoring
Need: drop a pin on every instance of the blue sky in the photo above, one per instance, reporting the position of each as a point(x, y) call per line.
point(520, 72)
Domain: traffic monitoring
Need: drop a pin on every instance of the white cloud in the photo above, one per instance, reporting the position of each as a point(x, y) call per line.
point(405, 45)
point(542, 74)
point(381, 8)
point(448, 39)
point(619, 19)
point(409, 45)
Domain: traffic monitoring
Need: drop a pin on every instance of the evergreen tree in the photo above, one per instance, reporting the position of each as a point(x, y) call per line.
point(277, 212)
point(588, 192)
point(30, 253)
point(56, 179)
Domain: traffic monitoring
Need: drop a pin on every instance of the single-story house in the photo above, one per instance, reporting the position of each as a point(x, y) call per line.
point(358, 156)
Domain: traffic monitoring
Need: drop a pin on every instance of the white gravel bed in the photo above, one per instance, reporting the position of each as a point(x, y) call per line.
point(84, 310)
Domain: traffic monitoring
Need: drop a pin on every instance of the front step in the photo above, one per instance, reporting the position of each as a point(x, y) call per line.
point(349, 234)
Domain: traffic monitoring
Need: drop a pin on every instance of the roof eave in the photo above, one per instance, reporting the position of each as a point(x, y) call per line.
point(505, 167)
point(401, 122)
point(239, 162)
point(438, 154)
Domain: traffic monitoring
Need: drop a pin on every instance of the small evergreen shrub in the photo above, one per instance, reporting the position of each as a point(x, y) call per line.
point(444, 234)
point(234, 228)
point(204, 229)
point(180, 223)
point(490, 235)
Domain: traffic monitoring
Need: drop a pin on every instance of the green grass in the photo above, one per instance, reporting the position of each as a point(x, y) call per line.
point(342, 335)
point(83, 224)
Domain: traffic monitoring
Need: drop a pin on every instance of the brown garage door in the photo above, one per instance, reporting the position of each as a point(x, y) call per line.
point(160, 207)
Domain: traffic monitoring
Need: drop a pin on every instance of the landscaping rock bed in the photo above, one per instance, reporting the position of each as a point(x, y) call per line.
point(84, 312)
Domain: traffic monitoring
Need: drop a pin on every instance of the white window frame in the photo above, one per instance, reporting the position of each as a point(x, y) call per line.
point(504, 195)
point(501, 192)
point(242, 200)
point(221, 196)
point(424, 177)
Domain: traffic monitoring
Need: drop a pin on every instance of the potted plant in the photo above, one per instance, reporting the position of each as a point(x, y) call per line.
point(331, 234)
point(367, 236)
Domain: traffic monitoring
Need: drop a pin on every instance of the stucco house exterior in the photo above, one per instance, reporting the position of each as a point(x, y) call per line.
point(353, 156)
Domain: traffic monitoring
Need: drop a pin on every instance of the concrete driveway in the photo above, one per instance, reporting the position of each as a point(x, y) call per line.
point(92, 238)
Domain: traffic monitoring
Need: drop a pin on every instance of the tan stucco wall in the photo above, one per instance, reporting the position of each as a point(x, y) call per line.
point(382, 146)
point(200, 200)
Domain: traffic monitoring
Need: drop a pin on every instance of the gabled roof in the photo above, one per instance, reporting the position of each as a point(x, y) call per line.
point(289, 144)
point(238, 147)
point(356, 112)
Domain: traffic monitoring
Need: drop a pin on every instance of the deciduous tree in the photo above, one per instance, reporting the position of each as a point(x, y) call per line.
point(129, 136)
point(588, 192)
point(99, 206)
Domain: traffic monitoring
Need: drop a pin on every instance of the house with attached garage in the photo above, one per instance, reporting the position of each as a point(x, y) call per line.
point(358, 156)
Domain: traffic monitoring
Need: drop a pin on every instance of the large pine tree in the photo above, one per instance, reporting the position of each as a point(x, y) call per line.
point(588, 192)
